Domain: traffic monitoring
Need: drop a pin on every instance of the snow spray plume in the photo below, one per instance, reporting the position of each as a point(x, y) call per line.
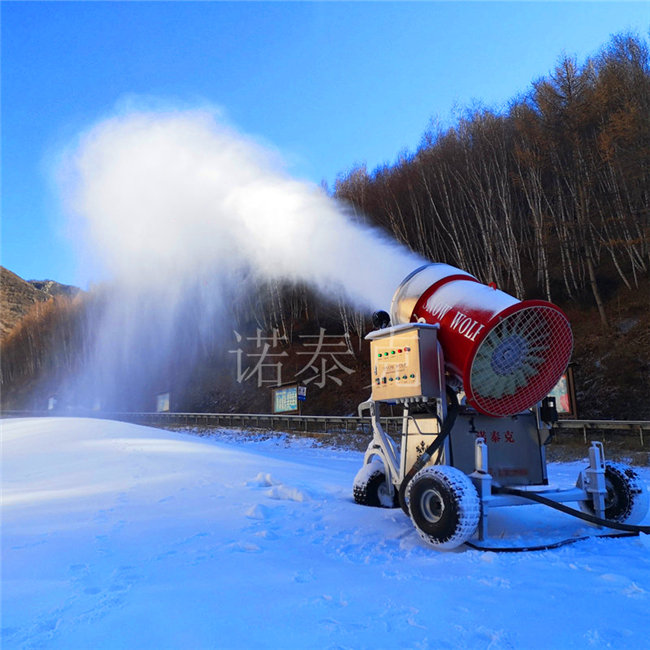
point(179, 205)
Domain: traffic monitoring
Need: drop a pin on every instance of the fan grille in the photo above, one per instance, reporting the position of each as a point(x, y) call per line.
point(520, 360)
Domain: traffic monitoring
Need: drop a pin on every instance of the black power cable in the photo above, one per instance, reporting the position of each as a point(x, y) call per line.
point(545, 547)
point(606, 523)
point(630, 529)
point(423, 459)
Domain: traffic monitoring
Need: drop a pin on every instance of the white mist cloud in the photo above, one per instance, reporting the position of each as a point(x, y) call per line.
point(179, 193)
point(185, 214)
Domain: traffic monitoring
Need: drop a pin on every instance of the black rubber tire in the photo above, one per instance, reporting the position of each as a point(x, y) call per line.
point(627, 497)
point(371, 489)
point(444, 506)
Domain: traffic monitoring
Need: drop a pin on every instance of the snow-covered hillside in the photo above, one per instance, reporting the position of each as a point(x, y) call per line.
point(121, 536)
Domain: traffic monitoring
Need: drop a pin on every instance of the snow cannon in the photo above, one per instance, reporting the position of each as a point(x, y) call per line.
point(456, 460)
point(508, 354)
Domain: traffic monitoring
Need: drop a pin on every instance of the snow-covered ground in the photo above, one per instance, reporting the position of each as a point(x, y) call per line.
point(122, 536)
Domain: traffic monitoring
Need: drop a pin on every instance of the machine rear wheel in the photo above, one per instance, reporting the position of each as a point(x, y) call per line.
point(371, 488)
point(627, 497)
point(444, 506)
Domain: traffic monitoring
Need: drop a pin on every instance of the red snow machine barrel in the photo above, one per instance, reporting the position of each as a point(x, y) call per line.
point(509, 354)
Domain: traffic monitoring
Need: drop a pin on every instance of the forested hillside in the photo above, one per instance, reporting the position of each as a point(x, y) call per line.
point(548, 198)
point(17, 297)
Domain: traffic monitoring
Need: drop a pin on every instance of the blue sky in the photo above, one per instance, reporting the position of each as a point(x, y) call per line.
point(330, 85)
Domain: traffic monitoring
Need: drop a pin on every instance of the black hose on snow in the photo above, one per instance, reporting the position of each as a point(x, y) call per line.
point(606, 523)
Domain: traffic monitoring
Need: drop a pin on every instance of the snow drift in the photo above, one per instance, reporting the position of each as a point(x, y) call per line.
point(121, 536)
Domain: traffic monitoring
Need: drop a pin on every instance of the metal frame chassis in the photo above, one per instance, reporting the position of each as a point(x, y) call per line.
point(591, 484)
point(382, 446)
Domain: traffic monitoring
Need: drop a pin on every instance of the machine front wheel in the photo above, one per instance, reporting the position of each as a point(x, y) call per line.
point(444, 506)
point(371, 488)
point(627, 498)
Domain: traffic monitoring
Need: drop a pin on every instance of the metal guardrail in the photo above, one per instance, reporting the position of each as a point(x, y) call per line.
point(267, 421)
point(319, 423)
point(624, 426)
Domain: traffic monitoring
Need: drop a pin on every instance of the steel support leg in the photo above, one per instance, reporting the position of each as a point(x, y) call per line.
point(483, 483)
point(595, 474)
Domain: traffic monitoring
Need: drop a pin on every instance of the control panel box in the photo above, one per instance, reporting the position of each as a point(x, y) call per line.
point(406, 363)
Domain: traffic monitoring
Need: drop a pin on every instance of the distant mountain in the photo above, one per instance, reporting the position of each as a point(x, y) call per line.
point(53, 288)
point(18, 296)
